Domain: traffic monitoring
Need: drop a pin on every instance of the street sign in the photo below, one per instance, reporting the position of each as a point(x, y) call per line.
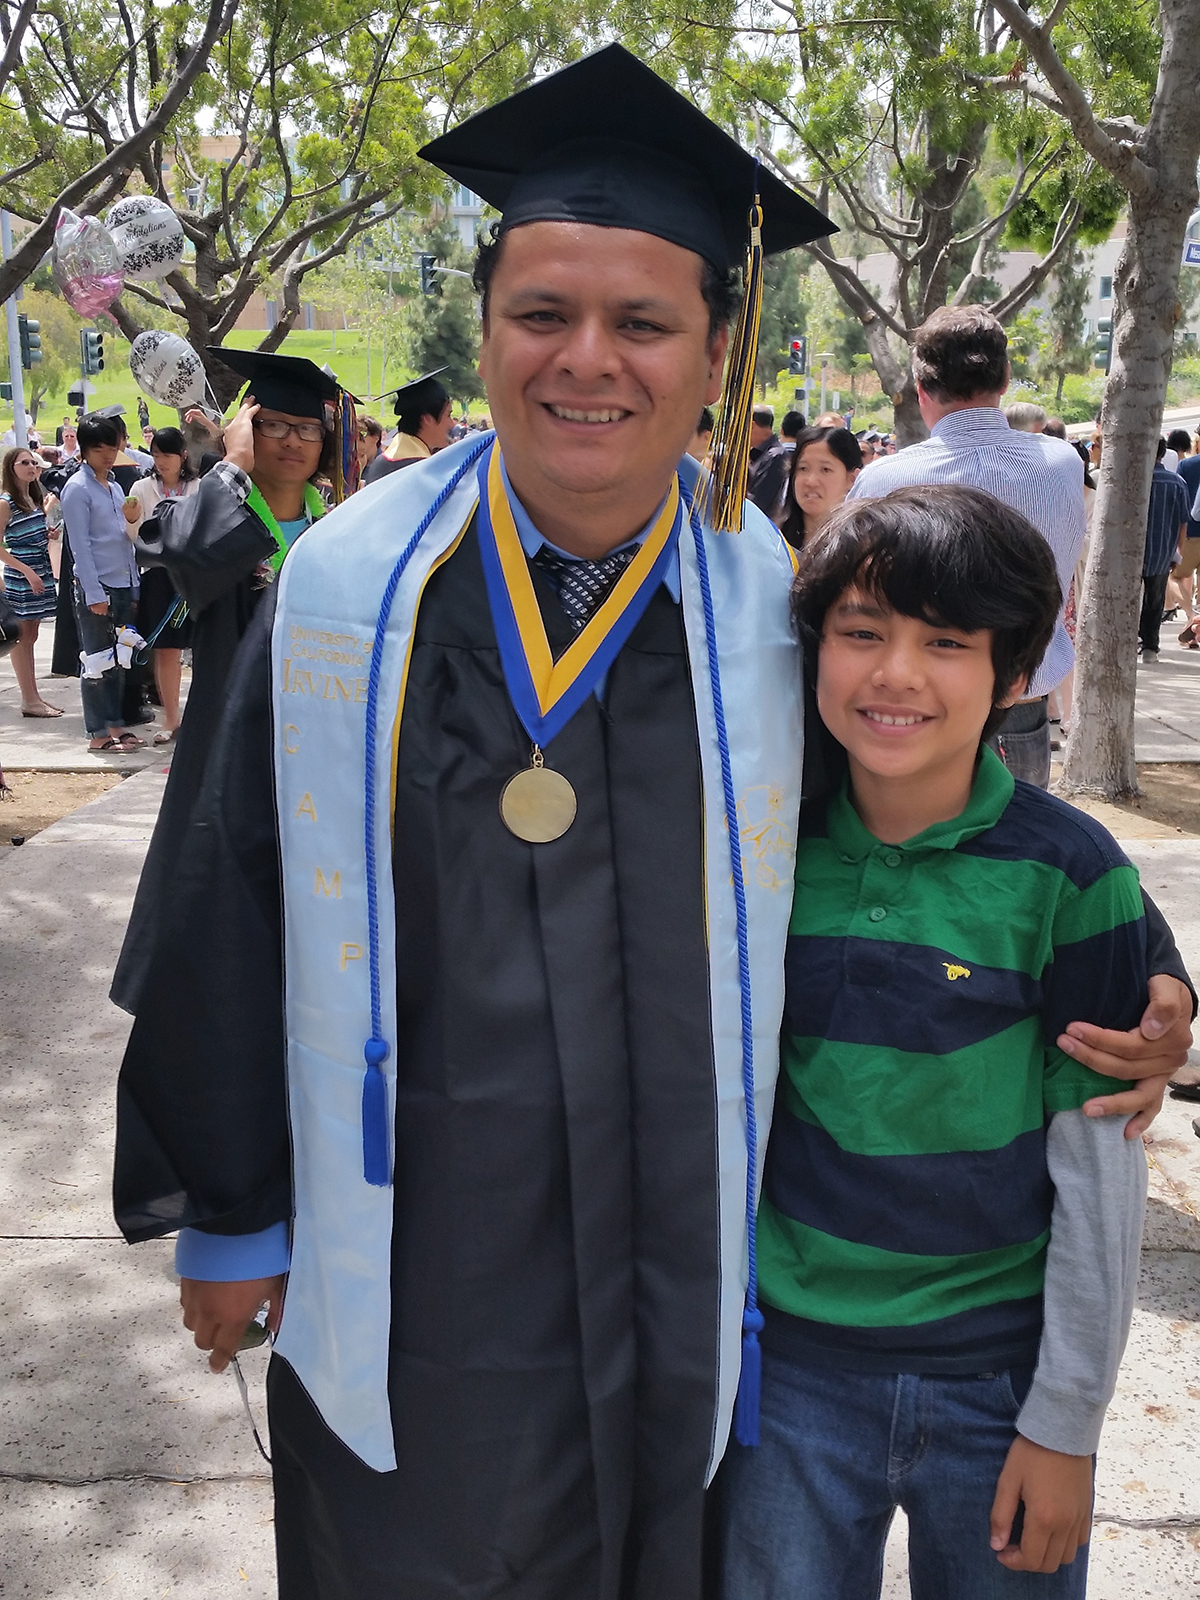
point(1191, 252)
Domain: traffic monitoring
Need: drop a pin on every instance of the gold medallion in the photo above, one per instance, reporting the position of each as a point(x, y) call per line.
point(537, 805)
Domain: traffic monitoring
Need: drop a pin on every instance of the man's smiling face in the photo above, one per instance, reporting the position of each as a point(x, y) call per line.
point(597, 355)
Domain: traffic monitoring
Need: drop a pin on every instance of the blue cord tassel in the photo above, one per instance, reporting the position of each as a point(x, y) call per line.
point(745, 1416)
point(376, 1144)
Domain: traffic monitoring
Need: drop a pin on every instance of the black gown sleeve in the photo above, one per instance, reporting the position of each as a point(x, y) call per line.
point(202, 1130)
point(1162, 953)
point(208, 542)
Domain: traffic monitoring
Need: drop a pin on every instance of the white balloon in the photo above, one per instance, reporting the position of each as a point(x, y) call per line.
point(148, 236)
point(167, 368)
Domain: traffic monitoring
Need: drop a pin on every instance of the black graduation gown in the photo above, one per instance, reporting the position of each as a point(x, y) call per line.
point(555, 1262)
point(210, 546)
point(382, 466)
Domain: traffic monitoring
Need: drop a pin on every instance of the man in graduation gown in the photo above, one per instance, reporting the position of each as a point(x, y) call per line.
point(424, 420)
point(519, 753)
point(221, 548)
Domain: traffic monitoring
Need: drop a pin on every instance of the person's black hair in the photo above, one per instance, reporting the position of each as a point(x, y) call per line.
point(93, 431)
point(707, 421)
point(952, 556)
point(1160, 449)
point(170, 442)
point(430, 399)
point(763, 417)
point(721, 291)
point(843, 445)
point(792, 425)
point(1179, 440)
point(1085, 455)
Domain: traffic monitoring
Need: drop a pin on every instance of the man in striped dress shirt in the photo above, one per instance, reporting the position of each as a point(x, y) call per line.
point(960, 361)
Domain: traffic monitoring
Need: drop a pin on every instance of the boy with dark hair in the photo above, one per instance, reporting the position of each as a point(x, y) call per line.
point(947, 1242)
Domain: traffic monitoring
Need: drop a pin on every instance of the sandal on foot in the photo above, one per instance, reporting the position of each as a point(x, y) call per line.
point(47, 712)
point(103, 749)
point(1188, 636)
point(130, 741)
point(166, 736)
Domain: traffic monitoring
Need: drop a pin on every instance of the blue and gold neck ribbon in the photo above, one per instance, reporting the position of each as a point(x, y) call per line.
point(546, 693)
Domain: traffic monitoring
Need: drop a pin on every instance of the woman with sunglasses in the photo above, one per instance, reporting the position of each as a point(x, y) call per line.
point(220, 548)
point(28, 575)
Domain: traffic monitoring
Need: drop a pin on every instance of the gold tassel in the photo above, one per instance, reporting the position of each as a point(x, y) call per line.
point(723, 494)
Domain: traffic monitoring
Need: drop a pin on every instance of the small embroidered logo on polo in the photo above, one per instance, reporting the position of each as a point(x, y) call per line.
point(954, 971)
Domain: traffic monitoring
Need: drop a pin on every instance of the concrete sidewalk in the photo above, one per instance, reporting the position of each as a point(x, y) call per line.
point(126, 1469)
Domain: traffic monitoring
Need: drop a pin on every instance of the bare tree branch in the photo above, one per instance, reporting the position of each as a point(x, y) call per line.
point(34, 246)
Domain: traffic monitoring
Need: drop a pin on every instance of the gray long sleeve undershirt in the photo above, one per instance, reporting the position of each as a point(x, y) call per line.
point(1099, 1180)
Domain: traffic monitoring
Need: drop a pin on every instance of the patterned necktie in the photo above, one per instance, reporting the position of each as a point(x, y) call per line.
point(582, 585)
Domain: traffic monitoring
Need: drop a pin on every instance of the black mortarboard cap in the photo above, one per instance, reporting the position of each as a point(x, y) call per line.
point(291, 384)
point(606, 141)
point(410, 395)
point(107, 413)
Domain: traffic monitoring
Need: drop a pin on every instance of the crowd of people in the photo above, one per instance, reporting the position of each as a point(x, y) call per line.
point(466, 959)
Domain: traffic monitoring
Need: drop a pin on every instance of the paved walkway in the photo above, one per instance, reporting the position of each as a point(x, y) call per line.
point(126, 1469)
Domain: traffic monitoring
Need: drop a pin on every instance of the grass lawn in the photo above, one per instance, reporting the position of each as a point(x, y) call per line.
point(346, 353)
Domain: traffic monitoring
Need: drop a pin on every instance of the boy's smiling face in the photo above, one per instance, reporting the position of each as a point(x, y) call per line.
point(907, 699)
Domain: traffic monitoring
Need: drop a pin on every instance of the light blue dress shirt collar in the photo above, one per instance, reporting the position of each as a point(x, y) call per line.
point(532, 541)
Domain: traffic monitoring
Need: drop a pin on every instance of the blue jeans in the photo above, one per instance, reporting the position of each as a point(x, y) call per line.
point(1022, 741)
point(805, 1516)
point(102, 697)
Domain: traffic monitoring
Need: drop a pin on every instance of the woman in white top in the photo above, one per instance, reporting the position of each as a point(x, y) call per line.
point(172, 478)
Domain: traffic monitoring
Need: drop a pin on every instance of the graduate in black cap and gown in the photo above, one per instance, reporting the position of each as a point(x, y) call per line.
point(424, 420)
point(221, 548)
point(519, 754)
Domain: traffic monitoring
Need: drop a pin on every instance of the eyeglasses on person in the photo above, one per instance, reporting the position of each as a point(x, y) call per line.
point(277, 428)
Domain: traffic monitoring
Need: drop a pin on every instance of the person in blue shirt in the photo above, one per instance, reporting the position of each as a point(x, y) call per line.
point(1166, 532)
point(106, 582)
point(1189, 470)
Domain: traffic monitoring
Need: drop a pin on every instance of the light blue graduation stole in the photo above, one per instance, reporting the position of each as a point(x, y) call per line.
point(349, 593)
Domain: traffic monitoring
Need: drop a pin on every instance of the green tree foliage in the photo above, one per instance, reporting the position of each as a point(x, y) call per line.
point(1065, 350)
point(302, 137)
point(907, 126)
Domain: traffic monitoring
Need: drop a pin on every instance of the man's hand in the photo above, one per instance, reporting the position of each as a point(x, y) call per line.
point(201, 419)
point(100, 607)
point(1151, 1053)
point(1057, 1492)
point(239, 436)
point(218, 1314)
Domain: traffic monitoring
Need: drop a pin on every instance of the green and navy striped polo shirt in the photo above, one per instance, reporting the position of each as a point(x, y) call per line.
point(906, 1202)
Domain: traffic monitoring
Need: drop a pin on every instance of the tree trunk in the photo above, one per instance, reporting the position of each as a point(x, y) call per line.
point(1100, 753)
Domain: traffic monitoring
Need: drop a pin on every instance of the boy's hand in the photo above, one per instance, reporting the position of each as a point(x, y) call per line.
point(1057, 1492)
point(1151, 1053)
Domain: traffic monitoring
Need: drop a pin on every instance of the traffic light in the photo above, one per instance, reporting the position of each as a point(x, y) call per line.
point(5, 391)
point(1103, 352)
point(91, 351)
point(429, 283)
point(31, 341)
point(798, 356)
point(76, 397)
